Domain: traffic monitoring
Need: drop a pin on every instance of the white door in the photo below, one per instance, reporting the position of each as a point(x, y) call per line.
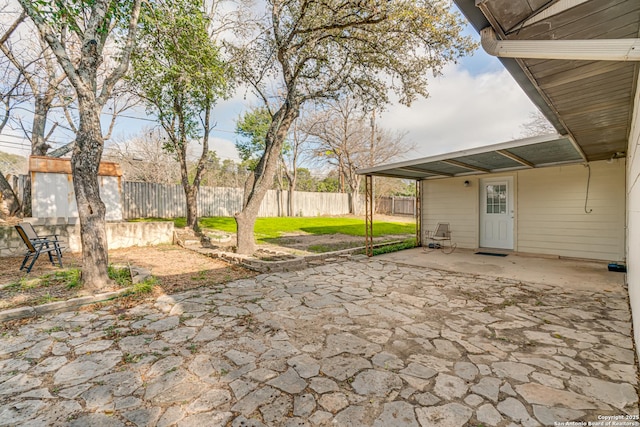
point(496, 213)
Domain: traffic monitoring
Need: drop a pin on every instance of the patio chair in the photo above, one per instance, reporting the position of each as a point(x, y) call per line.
point(438, 238)
point(37, 245)
point(32, 235)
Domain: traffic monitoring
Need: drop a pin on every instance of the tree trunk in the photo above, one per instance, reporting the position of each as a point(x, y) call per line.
point(26, 197)
point(191, 193)
point(263, 176)
point(85, 162)
point(38, 145)
point(10, 204)
point(292, 192)
point(354, 198)
point(245, 222)
point(292, 211)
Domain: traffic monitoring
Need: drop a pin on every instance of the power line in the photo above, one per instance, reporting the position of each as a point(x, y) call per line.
point(50, 140)
point(145, 119)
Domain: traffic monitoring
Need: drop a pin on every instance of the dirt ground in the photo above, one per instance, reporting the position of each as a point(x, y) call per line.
point(175, 268)
point(309, 243)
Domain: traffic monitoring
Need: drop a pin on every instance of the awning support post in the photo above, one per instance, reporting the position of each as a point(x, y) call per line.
point(368, 222)
point(418, 212)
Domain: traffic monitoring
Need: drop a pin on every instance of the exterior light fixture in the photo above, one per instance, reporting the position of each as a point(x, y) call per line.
point(467, 183)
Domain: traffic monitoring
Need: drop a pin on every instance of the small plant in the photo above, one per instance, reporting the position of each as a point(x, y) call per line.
point(24, 283)
point(122, 276)
point(144, 287)
point(111, 332)
point(54, 329)
point(131, 358)
point(202, 275)
point(45, 299)
point(71, 277)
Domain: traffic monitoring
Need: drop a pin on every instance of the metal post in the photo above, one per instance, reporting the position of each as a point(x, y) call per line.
point(368, 223)
point(418, 211)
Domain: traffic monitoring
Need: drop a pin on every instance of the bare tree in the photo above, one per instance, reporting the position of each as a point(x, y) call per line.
point(78, 33)
point(11, 95)
point(537, 125)
point(349, 140)
point(43, 76)
point(316, 50)
point(143, 158)
point(298, 143)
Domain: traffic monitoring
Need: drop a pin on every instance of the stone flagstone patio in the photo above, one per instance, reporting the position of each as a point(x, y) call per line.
point(357, 343)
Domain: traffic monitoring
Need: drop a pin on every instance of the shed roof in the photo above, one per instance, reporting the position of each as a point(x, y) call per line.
point(527, 153)
point(59, 165)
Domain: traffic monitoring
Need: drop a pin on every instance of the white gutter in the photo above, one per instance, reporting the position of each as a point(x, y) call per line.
point(584, 50)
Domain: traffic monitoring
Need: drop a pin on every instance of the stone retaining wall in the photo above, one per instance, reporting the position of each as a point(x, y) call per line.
point(119, 234)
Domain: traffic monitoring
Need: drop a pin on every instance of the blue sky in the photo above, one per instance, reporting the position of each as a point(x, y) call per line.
point(474, 103)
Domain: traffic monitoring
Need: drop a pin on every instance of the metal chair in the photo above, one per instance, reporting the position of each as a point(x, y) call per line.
point(438, 239)
point(37, 245)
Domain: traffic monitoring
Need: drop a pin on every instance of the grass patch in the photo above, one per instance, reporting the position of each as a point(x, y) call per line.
point(331, 247)
point(23, 284)
point(71, 277)
point(144, 287)
point(120, 275)
point(46, 299)
point(271, 228)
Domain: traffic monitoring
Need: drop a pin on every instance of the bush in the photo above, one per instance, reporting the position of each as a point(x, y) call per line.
point(407, 244)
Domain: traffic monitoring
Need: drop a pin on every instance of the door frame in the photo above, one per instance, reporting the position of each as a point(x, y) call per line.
point(511, 208)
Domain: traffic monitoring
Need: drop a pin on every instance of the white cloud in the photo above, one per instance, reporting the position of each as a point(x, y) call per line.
point(224, 148)
point(463, 111)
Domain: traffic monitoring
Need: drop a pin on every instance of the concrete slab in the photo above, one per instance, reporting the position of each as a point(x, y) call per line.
point(565, 273)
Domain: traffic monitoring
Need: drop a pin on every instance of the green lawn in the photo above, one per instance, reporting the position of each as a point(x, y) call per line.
point(270, 228)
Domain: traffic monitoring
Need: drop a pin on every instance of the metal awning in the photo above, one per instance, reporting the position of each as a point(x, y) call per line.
point(588, 99)
point(528, 153)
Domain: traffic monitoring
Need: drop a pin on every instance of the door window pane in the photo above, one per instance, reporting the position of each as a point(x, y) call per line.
point(496, 198)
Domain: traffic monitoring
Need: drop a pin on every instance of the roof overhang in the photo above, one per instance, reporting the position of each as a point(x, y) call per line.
point(589, 99)
point(528, 153)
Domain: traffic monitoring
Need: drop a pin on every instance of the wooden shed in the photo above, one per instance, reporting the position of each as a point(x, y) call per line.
point(52, 194)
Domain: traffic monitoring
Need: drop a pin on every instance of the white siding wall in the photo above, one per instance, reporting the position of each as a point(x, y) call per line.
point(633, 219)
point(448, 200)
point(551, 211)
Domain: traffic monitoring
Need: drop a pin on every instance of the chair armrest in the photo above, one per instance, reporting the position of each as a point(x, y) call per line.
point(55, 236)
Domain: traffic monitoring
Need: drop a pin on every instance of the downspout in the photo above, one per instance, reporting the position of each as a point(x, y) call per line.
point(580, 50)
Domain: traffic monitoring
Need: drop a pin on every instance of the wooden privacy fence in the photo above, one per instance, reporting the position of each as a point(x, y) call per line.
point(396, 205)
point(149, 200)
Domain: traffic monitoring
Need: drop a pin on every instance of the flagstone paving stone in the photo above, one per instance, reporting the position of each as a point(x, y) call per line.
point(354, 343)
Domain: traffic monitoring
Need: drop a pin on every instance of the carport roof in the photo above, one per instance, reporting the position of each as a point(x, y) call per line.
point(589, 100)
point(528, 153)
